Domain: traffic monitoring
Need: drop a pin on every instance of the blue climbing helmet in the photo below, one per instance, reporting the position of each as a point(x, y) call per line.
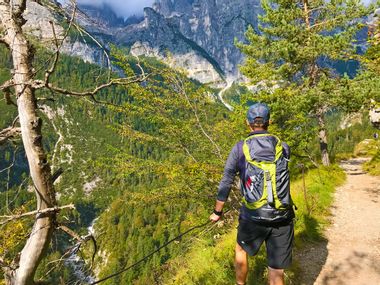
point(258, 110)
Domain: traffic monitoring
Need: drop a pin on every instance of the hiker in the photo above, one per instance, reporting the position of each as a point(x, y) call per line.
point(261, 160)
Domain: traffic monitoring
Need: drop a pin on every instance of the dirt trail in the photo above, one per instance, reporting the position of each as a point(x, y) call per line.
point(351, 253)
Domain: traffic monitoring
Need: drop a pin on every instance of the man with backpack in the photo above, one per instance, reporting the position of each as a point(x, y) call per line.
point(261, 160)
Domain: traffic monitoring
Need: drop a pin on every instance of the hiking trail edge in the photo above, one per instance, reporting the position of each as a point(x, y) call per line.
point(351, 253)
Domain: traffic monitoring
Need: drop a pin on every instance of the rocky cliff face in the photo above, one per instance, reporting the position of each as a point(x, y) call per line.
point(198, 34)
point(213, 25)
point(160, 37)
point(39, 21)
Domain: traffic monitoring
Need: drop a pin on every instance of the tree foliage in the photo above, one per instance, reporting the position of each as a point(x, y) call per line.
point(293, 55)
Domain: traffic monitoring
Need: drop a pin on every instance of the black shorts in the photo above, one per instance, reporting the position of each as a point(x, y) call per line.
point(278, 240)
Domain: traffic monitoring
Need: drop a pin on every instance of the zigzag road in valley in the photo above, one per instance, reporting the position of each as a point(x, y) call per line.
point(220, 95)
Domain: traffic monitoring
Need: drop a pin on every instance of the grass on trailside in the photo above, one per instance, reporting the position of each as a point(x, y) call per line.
point(211, 261)
point(373, 166)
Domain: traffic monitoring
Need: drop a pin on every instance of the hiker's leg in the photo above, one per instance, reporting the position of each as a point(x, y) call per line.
point(276, 276)
point(241, 264)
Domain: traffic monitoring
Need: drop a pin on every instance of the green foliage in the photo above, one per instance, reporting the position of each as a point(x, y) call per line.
point(367, 147)
point(372, 56)
point(291, 69)
point(373, 166)
point(346, 131)
point(156, 158)
point(211, 262)
point(177, 141)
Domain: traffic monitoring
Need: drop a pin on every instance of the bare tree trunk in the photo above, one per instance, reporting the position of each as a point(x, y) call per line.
point(11, 22)
point(323, 139)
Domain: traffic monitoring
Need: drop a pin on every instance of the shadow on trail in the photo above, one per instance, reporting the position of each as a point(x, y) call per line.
point(307, 263)
point(351, 266)
point(310, 260)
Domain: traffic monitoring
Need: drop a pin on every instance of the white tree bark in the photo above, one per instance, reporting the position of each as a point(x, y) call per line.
point(11, 22)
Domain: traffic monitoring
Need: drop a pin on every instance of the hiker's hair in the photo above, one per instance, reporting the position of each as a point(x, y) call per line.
point(259, 123)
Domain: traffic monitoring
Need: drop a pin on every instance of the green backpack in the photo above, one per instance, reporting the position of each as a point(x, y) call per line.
point(266, 183)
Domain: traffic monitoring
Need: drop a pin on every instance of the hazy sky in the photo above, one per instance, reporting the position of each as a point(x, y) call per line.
point(122, 8)
point(125, 8)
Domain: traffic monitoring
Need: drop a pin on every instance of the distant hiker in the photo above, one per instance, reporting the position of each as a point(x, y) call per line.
point(261, 160)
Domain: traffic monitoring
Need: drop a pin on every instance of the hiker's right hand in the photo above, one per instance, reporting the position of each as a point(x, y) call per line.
point(214, 218)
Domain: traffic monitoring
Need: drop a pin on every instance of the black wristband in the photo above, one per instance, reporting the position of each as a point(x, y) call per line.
point(218, 213)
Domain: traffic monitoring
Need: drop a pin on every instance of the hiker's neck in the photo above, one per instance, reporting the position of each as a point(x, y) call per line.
point(258, 129)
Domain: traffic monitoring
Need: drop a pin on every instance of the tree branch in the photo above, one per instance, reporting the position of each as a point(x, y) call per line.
point(7, 84)
point(7, 96)
point(118, 81)
point(178, 83)
point(59, 45)
point(9, 133)
point(324, 23)
point(82, 31)
point(5, 266)
point(8, 219)
point(81, 240)
point(12, 163)
point(70, 232)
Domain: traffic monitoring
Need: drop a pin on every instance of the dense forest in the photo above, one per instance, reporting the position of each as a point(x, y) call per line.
point(142, 162)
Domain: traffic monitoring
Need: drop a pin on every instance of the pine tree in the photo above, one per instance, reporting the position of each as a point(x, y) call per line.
point(293, 51)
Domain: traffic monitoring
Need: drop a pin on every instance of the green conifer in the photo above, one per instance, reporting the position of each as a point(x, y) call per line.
point(293, 52)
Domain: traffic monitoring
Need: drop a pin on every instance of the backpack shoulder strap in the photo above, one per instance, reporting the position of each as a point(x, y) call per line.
point(247, 153)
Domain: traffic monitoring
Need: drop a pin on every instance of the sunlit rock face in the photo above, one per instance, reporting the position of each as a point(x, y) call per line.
point(47, 28)
point(198, 34)
point(214, 25)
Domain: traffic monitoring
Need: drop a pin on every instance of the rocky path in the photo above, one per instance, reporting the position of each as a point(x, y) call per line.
point(351, 253)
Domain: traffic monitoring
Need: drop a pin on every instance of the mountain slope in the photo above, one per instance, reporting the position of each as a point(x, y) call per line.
point(199, 35)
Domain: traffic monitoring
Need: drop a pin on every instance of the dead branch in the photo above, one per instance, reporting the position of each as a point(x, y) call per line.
point(178, 83)
point(15, 121)
point(9, 133)
point(139, 65)
point(7, 95)
point(58, 262)
point(16, 195)
point(70, 232)
point(5, 266)
point(56, 56)
point(81, 240)
point(321, 25)
point(12, 163)
point(6, 84)
point(8, 219)
point(57, 9)
point(312, 160)
point(118, 81)
point(59, 45)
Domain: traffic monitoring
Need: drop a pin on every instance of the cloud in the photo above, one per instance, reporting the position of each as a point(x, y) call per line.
point(122, 8)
